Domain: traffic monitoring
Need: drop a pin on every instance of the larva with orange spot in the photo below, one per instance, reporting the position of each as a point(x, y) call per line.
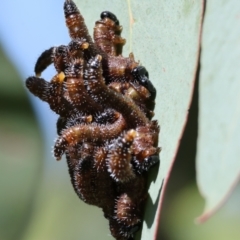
point(96, 86)
point(120, 156)
point(88, 132)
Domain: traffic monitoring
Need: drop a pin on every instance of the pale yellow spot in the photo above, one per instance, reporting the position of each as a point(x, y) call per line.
point(89, 119)
point(85, 45)
point(61, 77)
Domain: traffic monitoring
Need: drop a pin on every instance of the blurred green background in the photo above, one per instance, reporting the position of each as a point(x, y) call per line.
point(38, 203)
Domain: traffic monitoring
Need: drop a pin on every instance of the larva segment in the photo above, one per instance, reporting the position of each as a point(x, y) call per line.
point(60, 55)
point(97, 133)
point(77, 95)
point(50, 92)
point(122, 232)
point(119, 69)
point(76, 25)
point(127, 211)
point(83, 179)
point(145, 148)
point(75, 92)
point(44, 60)
point(103, 182)
point(107, 34)
point(139, 94)
point(100, 156)
point(111, 99)
point(120, 156)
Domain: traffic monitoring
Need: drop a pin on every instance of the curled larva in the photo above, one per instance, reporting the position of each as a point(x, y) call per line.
point(88, 132)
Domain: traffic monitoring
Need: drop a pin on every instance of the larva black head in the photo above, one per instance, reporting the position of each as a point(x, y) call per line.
point(107, 14)
point(140, 74)
point(70, 8)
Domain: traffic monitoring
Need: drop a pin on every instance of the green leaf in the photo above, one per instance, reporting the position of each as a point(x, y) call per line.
point(164, 36)
point(20, 153)
point(218, 165)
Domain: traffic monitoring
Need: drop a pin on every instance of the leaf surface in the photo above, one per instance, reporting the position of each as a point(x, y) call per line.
point(164, 36)
point(218, 165)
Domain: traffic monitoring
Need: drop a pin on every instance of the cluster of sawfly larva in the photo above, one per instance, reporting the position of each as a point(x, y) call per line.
point(105, 103)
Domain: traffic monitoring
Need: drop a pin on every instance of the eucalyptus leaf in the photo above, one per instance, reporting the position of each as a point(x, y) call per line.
point(218, 165)
point(164, 36)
